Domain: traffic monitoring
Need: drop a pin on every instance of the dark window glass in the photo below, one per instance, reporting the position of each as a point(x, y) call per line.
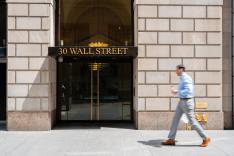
point(83, 22)
point(2, 23)
point(2, 59)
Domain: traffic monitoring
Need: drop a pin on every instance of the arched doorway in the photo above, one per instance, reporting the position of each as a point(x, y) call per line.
point(95, 88)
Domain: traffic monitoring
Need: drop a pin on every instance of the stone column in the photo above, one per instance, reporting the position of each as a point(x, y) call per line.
point(31, 73)
point(171, 32)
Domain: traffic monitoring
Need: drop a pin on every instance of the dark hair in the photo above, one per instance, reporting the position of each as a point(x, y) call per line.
point(181, 66)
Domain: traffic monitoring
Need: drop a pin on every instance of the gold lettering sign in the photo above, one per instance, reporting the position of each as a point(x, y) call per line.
point(92, 51)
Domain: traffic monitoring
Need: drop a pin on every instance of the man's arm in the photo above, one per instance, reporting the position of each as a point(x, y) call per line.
point(187, 88)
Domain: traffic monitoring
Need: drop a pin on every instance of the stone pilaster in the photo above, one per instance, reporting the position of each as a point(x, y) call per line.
point(31, 76)
point(228, 64)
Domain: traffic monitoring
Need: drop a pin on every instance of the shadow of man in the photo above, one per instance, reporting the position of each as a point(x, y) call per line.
point(158, 143)
point(153, 143)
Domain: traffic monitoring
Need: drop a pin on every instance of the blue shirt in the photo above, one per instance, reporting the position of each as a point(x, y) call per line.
point(185, 88)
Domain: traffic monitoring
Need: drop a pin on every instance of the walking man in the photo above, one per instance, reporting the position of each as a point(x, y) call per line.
point(186, 105)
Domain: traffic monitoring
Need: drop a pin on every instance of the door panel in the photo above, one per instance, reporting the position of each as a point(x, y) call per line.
point(115, 91)
point(75, 91)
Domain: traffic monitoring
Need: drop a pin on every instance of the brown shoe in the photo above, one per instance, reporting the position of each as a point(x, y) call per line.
point(205, 142)
point(169, 142)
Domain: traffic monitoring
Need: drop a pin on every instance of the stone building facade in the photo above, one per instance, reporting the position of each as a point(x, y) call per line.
point(171, 33)
point(166, 32)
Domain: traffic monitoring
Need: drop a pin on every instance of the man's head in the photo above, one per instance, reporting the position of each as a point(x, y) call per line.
point(180, 69)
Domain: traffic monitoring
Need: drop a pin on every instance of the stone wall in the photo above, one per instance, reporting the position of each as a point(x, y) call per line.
point(170, 33)
point(30, 100)
point(167, 33)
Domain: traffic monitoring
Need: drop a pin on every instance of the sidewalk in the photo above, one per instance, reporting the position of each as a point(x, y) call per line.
point(109, 141)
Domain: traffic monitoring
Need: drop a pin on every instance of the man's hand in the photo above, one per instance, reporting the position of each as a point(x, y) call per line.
point(174, 92)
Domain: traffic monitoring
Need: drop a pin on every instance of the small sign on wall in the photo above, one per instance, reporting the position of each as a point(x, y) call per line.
point(201, 105)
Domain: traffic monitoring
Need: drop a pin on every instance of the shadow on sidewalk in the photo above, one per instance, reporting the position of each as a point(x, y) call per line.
point(158, 143)
point(154, 143)
point(185, 145)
